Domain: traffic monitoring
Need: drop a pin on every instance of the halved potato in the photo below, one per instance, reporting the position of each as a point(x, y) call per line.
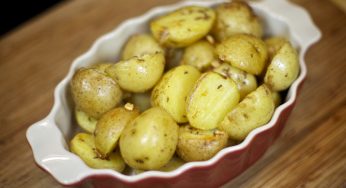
point(212, 97)
point(140, 44)
point(173, 89)
point(244, 52)
point(83, 145)
point(274, 44)
point(141, 100)
point(200, 145)
point(138, 74)
point(246, 82)
point(255, 110)
point(183, 27)
point(109, 128)
point(85, 121)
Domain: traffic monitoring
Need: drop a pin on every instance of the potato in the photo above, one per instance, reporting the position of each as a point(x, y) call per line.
point(244, 52)
point(173, 57)
point(109, 128)
point(235, 18)
point(212, 97)
point(200, 145)
point(140, 44)
point(200, 55)
point(149, 141)
point(276, 98)
point(138, 74)
point(173, 164)
point(246, 82)
point(86, 122)
point(183, 26)
point(141, 100)
point(94, 92)
point(255, 110)
point(101, 67)
point(83, 145)
point(274, 44)
point(173, 89)
point(283, 69)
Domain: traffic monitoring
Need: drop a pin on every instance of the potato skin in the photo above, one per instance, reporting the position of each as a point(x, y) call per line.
point(283, 69)
point(200, 55)
point(140, 44)
point(212, 97)
point(183, 27)
point(255, 110)
point(138, 74)
point(274, 44)
point(109, 128)
point(94, 92)
point(200, 145)
point(244, 52)
point(149, 141)
point(234, 18)
point(246, 82)
point(86, 122)
point(173, 89)
point(83, 145)
point(141, 100)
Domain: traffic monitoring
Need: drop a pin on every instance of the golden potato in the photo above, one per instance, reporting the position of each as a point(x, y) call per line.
point(244, 52)
point(149, 141)
point(276, 98)
point(212, 97)
point(173, 89)
point(138, 74)
point(233, 18)
point(109, 128)
point(200, 55)
point(86, 122)
point(274, 44)
point(141, 100)
point(173, 164)
point(200, 145)
point(183, 27)
point(101, 67)
point(139, 45)
point(94, 92)
point(83, 145)
point(246, 82)
point(283, 69)
point(255, 110)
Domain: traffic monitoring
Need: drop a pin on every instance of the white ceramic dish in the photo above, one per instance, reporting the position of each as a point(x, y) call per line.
point(49, 137)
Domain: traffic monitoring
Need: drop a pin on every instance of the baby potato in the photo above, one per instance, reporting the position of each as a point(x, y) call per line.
point(200, 145)
point(212, 97)
point(86, 122)
point(138, 74)
point(246, 82)
point(94, 92)
point(183, 26)
point(233, 18)
point(141, 100)
point(109, 128)
point(83, 145)
point(140, 44)
point(173, 164)
point(255, 110)
point(200, 55)
point(276, 98)
point(244, 52)
point(150, 140)
point(101, 67)
point(274, 44)
point(283, 69)
point(173, 89)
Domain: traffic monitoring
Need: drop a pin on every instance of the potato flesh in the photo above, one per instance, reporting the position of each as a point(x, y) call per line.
point(94, 92)
point(173, 89)
point(109, 128)
point(83, 145)
point(138, 74)
point(283, 69)
point(235, 18)
point(255, 110)
point(246, 82)
point(183, 26)
point(200, 55)
point(139, 45)
point(86, 122)
point(150, 140)
point(199, 145)
point(244, 52)
point(212, 97)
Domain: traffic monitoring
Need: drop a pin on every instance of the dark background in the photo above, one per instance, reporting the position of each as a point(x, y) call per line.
point(15, 12)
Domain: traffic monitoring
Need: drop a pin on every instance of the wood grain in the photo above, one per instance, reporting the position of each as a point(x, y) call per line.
point(35, 57)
